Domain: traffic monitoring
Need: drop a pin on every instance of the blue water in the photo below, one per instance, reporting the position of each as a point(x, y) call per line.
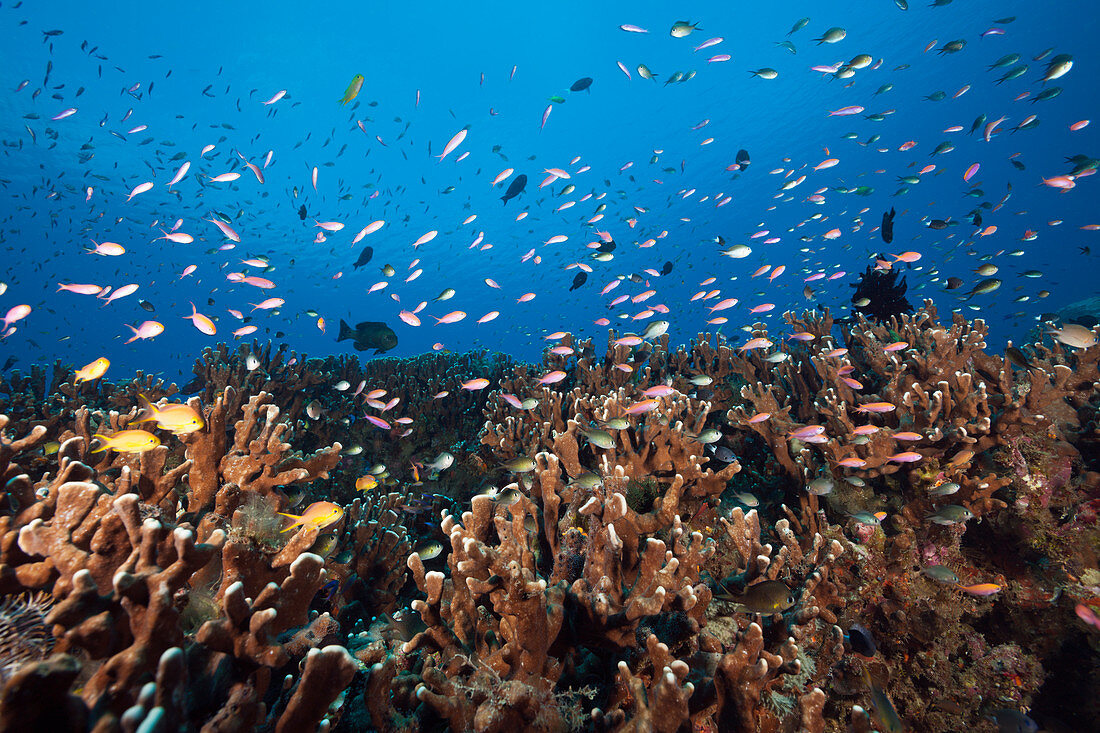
point(246, 52)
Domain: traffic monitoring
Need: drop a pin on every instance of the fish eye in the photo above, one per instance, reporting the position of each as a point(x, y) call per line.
point(790, 600)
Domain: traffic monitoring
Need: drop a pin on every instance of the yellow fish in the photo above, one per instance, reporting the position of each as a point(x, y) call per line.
point(319, 514)
point(127, 441)
point(178, 418)
point(353, 89)
point(95, 370)
point(365, 483)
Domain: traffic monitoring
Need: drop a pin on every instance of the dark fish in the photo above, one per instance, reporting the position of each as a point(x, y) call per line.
point(515, 188)
point(1017, 357)
point(954, 282)
point(606, 246)
point(145, 304)
point(581, 84)
point(861, 641)
point(579, 279)
point(887, 229)
point(302, 212)
point(364, 257)
point(937, 224)
point(369, 335)
point(743, 159)
point(10, 362)
point(667, 268)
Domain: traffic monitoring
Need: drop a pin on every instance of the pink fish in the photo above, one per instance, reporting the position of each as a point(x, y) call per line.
point(708, 43)
point(633, 28)
point(146, 330)
point(546, 115)
point(759, 418)
point(866, 430)
point(970, 172)
point(452, 317)
point(852, 462)
point(63, 114)
point(227, 231)
point(877, 407)
point(276, 97)
point(244, 331)
point(377, 422)
point(180, 173)
point(551, 377)
point(121, 293)
point(139, 189)
point(491, 315)
point(425, 238)
point(644, 406)
point(719, 58)
point(845, 111)
point(268, 304)
point(906, 457)
point(475, 384)
point(201, 322)
point(453, 143)
point(895, 346)
point(756, 343)
point(329, 226)
point(225, 177)
point(659, 390)
point(409, 318)
point(79, 288)
point(807, 431)
point(625, 70)
point(16, 313)
point(512, 400)
point(503, 175)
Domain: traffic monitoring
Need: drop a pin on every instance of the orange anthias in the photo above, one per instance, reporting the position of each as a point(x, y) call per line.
point(319, 514)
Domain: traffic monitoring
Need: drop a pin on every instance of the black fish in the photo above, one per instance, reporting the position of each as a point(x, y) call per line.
point(579, 279)
point(861, 641)
point(954, 282)
point(608, 246)
point(515, 188)
point(667, 268)
point(581, 84)
point(302, 212)
point(976, 219)
point(369, 335)
point(743, 159)
point(364, 257)
point(146, 305)
point(937, 224)
point(887, 229)
point(10, 362)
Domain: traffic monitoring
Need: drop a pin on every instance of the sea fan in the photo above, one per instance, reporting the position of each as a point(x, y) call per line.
point(24, 635)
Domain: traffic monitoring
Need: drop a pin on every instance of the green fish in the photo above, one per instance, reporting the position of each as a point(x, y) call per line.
point(522, 464)
point(950, 514)
point(599, 438)
point(799, 25)
point(985, 286)
point(683, 28)
point(557, 100)
point(833, 35)
point(1014, 73)
point(771, 596)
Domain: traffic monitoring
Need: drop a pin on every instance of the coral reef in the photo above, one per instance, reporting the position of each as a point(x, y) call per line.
point(709, 537)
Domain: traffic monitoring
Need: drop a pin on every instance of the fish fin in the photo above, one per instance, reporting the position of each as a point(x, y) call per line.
point(297, 522)
point(345, 331)
point(148, 412)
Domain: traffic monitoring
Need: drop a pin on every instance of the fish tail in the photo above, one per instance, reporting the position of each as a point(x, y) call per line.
point(297, 522)
point(104, 444)
point(345, 331)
